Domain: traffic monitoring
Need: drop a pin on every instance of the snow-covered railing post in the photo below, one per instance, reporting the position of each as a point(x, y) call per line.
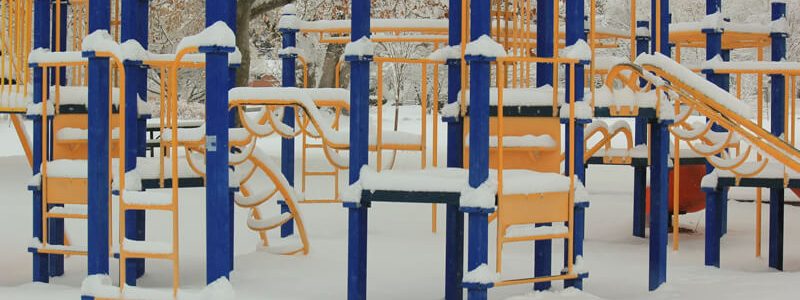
point(454, 244)
point(777, 121)
point(576, 41)
point(98, 168)
point(640, 138)
point(480, 77)
point(134, 26)
point(358, 53)
point(659, 193)
point(715, 200)
point(542, 265)
point(288, 79)
point(217, 42)
point(41, 37)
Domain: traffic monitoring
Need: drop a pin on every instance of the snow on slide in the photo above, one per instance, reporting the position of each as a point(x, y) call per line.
point(696, 82)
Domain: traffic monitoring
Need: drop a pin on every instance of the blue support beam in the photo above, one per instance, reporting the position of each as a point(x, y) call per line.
point(715, 200)
point(134, 26)
point(659, 189)
point(713, 227)
point(543, 249)
point(640, 138)
point(289, 79)
point(359, 155)
point(219, 204)
point(479, 78)
point(454, 243)
point(575, 12)
point(41, 39)
point(98, 186)
point(777, 118)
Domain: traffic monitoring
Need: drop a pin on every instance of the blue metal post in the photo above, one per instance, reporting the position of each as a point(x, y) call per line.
point(41, 40)
point(640, 138)
point(659, 188)
point(575, 13)
point(663, 34)
point(359, 155)
point(714, 50)
point(713, 233)
point(134, 26)
point(99, 19)
point(544, 76)
point(454, 244)
point(219, 204)
point(777, 118)
point(289, 78)
point(479, 143)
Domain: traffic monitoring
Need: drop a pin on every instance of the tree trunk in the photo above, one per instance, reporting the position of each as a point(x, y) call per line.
point(243, 41)
point(332, 54)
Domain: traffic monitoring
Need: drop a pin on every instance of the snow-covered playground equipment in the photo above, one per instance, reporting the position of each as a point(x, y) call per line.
point(529, 96)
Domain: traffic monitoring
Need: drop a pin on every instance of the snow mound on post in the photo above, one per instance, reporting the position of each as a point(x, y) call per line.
point(446, 53)
point(362, 47)
point(289, 9)
point(481, 197)
point(482, 274)
point(580, 51)
point(216, 35)
point(131, 50)
point(485, 46)
point(100, 41)
point(99, 286)
point(779, 26)
point(713, 21)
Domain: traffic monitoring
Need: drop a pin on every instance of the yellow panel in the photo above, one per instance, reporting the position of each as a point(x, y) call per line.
point(67, 191)
point(76, 150)
point(541, 161)
point(535, 208)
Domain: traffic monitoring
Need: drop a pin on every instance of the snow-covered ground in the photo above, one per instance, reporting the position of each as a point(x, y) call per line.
point(406, 260)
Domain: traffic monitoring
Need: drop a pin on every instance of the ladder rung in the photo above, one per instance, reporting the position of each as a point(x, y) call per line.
point(321, 173)
point(146, 249)
point(61, 249)
point(536, 279)
point(61, 212)
point(536, 237)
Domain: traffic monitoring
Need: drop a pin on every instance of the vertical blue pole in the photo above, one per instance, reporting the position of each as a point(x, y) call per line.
point(659, 154)
point(99, 19)
point(777, 117)
point(714, 206)
point(479, 143)
point(454, 244)
point(575, 12)
point(134, 25)
point(659, 188)
point(544, 76)
point(41, 40)
point(640, 138)
point(359, 147)
point(289, 79)
point(219, 204)
point(712, 239)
